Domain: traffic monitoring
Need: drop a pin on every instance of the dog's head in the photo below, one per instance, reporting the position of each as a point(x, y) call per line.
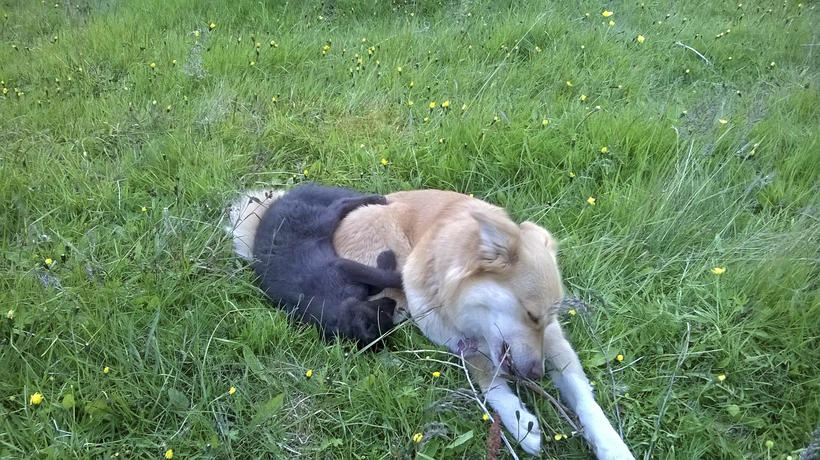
point(504, 290)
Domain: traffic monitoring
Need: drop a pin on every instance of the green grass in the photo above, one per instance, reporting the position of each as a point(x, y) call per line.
point(159, 298)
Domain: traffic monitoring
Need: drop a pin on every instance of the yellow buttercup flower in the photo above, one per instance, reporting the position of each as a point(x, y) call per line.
point(721, 377)
point(410, 102)
point(620, 358)
point(106, 370)
point(591, 201)
point(399, 69)
point(572, 312)
point(232, 390)
point(433, 104)
point(611, 22)
point(35, 399)
point(571, 174)
point(309, 372)
point(640, 39)
point(49, 261)
point(485, 417)
point(384, 161)
point(143, 209)
point(607, 14)
point(153, 65)
point(719, 270)
point(558, 436)
point(545, 122)
point(169, 454)
point(569, 83)
point(723, 122)
point(212, 26)
point(583, 97)
point(417, 437)
point(445, 104)
point(604, 149)
point(436, 374)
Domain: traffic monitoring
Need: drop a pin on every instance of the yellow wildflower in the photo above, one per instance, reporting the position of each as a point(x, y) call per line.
point(35, 399)
point(640, 39)
point(232, 390)
point(604, 149)
point(571, 174)
point(441, 140)
point(426, 119)
point(572, 312)
point(309, 372)
point(305, 172)
point(10, 314)
point(399, 69)
point(723, 122)
point(436, 374)
point(545, 122)
point(417, 437)
point(169, 454)
point(495, 118)
point(719, 270)
point(433, 104)
point(49, 261)
point(212, 26)
point(583, 97)
point(606, 14)
point(143, 209)
point(411, 83)
point(384, 161)
point(106, 370)
point(611, 22)
point(463, 106)
point(771, 64)
point(721, 377)
point(252, 63)
point(558, 436)
point(445, 104)
point(153, 65)
point(591, 201)
point(569, 83)
point(485, 417)
point(620, 358)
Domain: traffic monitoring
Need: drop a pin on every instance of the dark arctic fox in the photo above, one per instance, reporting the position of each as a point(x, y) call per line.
point(298, 267)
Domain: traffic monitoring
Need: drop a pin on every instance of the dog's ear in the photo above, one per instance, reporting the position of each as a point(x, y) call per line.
point(549, 242)
point(497, 241)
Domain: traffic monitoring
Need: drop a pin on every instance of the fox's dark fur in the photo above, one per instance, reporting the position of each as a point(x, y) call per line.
point(299, 268)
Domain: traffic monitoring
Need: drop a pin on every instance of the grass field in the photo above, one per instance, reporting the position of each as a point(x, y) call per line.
point(126, 128)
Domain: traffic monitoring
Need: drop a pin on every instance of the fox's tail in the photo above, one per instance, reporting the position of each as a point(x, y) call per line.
point(245, 214)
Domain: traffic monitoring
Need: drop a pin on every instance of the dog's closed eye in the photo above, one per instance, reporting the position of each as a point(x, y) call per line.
point(533, 318)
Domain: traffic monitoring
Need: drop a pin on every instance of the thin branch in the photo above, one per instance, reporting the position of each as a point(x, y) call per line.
point(679, 43)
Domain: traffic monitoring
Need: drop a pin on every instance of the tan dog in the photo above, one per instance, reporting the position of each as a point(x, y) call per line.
point(478, 283)
point(475, 279)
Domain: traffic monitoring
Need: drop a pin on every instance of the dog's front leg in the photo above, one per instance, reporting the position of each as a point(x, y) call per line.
point(572, 383)
point(516, 418)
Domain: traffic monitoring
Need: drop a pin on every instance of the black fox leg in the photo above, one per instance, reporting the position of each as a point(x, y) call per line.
point(368, 275)
point(343, 206)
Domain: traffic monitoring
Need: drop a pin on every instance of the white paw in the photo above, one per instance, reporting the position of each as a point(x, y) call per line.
point(615, 449)
point(528, 434)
